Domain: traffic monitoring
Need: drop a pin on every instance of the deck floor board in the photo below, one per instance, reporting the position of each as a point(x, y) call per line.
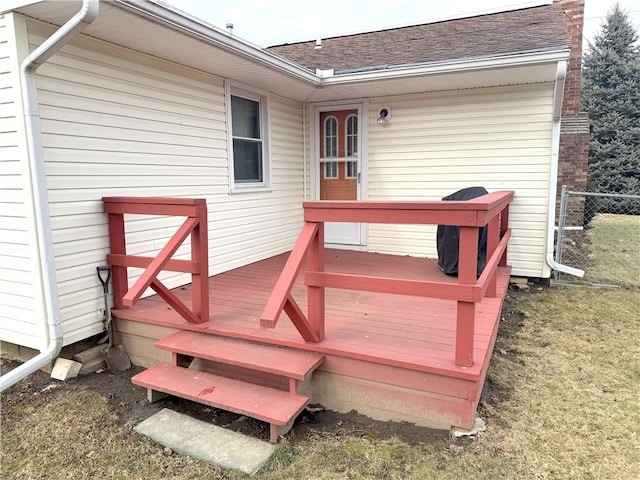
point(410, 332)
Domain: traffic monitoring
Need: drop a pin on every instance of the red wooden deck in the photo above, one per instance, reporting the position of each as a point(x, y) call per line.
point(419, 353)
point(414, 333)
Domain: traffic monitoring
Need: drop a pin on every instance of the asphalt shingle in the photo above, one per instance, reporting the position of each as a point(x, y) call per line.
point(526, 30)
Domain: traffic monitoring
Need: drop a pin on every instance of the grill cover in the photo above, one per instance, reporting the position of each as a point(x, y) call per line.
point(448, 237)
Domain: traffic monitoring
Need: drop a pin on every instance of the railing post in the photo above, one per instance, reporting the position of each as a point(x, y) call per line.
point(493, 238)
point(315, 295)
point(504, 226)
point(466, 311)
point(118, 245)
point(200, 255)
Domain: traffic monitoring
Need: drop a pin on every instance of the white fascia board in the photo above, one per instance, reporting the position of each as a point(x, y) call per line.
point(196, 28)
point(9, 5)
point(453, 66)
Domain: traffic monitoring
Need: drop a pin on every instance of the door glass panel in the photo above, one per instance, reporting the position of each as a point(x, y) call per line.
point(352, 135)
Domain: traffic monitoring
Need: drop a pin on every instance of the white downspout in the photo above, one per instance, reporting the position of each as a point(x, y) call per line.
point(561, 74)
point(47, 269)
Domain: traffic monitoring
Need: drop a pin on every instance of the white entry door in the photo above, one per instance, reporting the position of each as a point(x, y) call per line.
point(339, 168)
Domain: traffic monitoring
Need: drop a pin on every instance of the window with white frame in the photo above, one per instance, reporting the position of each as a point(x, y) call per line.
point(331, 137)
point(352, 170)
point(330, 170)
point(352, 135)
point(249, 153)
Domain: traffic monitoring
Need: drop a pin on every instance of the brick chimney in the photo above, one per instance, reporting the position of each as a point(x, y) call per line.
point(574, 129)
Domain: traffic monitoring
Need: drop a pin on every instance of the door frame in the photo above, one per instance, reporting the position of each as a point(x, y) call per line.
point(362, 106)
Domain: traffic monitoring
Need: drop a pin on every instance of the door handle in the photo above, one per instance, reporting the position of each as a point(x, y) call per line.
point(358, 177)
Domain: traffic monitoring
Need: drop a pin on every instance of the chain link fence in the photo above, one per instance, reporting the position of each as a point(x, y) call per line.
point(600, 234)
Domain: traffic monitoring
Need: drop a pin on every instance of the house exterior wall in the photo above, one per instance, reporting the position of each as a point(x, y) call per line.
point(438, 143)
point(21, 309)
point(118, 123)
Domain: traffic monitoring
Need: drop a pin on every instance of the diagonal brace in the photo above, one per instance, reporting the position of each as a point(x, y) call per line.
point(151, 272)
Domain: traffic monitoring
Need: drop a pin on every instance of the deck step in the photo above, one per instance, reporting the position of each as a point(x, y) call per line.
point(277, 407)
point(293, 364)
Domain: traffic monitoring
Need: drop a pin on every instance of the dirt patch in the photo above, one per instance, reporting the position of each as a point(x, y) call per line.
point(131, 406)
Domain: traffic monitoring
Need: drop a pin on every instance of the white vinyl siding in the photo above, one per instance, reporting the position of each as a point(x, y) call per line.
point(117, 123)
point(436, 144)
point(21, 312)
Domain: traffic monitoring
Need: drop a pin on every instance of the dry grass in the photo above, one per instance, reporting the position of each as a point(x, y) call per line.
point(573, 374)
point(614, 250)
point(568, 382)
point(77, 436)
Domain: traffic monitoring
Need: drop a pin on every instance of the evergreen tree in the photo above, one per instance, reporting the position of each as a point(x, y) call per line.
point(611, 97)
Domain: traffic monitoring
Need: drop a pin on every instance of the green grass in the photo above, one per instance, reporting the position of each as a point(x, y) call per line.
point(569, 388)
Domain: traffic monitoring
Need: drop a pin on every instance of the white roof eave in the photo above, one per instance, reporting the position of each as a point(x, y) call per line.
point(292, 80)
point(450, 66)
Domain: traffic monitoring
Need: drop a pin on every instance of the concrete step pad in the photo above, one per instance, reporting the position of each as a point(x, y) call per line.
point(206, 442)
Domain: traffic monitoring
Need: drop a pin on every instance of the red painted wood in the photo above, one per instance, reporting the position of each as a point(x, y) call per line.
point(152, 209)
point(491, 205)
point(200, 256)
point(117, 242)
point(372, 327)
point(278, 361)
point(492, 265)
point(168, 296)
point(267, 404)
point(120, 260)
point(448, 291)
point(390, 215)
point(316, 295)
point(475, 212)
point(180, 207)
point(466, 311)
point(302, 324)
point(493, 237)
point(153, 201)
point(151, 272)
point(465, 330)
point(504, 228)
point(287, 278)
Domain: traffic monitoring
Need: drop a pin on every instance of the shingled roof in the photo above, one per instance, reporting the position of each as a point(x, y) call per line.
point(536, 29)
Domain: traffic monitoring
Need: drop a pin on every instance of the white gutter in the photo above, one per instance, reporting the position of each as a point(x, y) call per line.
point(561, 74)
point(47, 269)
point(448, 66)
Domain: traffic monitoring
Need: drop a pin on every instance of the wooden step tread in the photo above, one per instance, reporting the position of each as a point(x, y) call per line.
point(271, 359)
point(267, 404)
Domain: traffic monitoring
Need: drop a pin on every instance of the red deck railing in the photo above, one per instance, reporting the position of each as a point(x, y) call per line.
point(195, 225)
point(491, 210)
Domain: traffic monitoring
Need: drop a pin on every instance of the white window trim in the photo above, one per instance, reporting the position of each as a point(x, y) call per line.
point(347, 135)
point(325, 170)
point(346, 169)
point(240, 90)
point(337, 136)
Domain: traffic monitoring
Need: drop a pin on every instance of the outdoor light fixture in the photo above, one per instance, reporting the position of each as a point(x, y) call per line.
point(384, 115)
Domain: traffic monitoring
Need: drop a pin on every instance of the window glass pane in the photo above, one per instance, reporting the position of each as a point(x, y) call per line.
point(352, 135)
point(331, 170)
point(352, 169)
point(331, 137)
point(247, 161)
point(245, 117)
